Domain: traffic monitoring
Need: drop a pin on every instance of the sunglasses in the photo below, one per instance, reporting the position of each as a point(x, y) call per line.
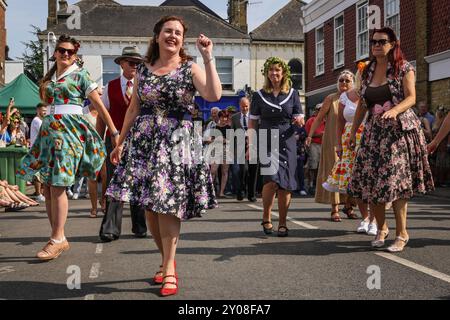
point(344, 80)
point(381, 42)
point(132, 63)
point(62, 51)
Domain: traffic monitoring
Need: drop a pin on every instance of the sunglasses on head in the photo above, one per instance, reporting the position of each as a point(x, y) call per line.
point(344, 80)
point(381, 42)
point(62, 51)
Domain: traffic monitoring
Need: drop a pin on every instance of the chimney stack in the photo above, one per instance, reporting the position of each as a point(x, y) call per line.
point(52, 19)
point(237, 14)
point(63, 5)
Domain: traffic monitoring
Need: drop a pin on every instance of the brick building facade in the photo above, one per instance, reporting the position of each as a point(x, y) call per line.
point(2, 41)
point(433, 37)
point(337, 37)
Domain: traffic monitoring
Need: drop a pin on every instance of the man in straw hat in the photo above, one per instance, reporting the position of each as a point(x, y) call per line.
point(117, 98)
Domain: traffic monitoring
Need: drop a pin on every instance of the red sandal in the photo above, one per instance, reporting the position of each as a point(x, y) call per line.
point(165, 292)
point(158, 278)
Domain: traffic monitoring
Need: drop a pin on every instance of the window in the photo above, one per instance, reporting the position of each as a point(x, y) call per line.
point(296, 74)
point(225, 70)
point(320, 52)
point(111, 70)
point(362, 40)
point(392, 15)
point(339, 41)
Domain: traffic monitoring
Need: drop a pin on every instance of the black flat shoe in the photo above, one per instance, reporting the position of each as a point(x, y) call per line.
point(140, 235)
point(108, 237)
point(283, 233)
point(267, 230)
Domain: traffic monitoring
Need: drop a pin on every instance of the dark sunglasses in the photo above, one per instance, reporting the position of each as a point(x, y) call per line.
point(62, 51)
point(344, 80)
point(132, 63)
point(381, 42)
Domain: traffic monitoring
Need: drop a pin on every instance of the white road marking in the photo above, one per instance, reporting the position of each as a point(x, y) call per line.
point(95, 271)
point(7, 269)
point(404, 262)
point(275, 213)
point(99, 248)
point(415, 266)
point(89, 297)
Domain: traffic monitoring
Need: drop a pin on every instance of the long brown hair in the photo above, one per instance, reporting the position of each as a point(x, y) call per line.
point(48, 77)
point(396, 57)
point(153, 50)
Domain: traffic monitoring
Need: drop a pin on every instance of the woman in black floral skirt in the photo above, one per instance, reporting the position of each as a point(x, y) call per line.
point(391, 164)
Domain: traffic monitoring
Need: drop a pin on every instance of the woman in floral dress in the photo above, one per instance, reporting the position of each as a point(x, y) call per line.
point(67, 145)
point(392, 162)
point(161, 164)
point(340, 175)
point(328, 156)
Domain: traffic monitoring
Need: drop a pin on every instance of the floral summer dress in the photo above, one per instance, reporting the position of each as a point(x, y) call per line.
point(149, 174)
point(67, 145)
point(392, 161)
point(340, 175)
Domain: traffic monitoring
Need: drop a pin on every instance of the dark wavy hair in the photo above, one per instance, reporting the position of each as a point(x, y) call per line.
point(153, 50)
point(46, 79)
point(396, 56)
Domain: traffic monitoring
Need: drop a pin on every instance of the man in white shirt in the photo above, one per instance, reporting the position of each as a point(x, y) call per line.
point(244, 175)
point(41, 111)
point(116, 98)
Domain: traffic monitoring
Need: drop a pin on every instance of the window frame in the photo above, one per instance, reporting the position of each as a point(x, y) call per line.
point(224, 85)
point(322, 42)
point(336, 51)
point(298, 74)
point(362, 55)
point(397, 14)
point(117, 74)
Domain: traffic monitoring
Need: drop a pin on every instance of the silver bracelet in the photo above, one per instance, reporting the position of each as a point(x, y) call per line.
point(115, 134)
point(208, 61)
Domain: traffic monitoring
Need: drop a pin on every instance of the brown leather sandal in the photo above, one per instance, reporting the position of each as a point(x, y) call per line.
point(335, 217)
point(349, 212)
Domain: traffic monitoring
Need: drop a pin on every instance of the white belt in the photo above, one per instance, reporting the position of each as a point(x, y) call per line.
point(65, 109)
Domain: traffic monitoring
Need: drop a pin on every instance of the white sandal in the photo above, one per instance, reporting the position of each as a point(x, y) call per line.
point(377, 243)
point(394, 249)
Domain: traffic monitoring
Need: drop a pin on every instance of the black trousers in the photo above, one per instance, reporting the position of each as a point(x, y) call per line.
point(246, 179)
point(112, 220)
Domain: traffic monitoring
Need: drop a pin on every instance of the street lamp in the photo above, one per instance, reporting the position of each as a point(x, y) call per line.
point(50, 38)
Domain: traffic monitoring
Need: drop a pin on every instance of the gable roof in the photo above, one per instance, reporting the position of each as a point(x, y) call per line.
point(189, 3)
point(284, 25)
point(138, 21)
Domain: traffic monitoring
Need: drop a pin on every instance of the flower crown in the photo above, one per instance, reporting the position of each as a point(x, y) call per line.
point(275, 60)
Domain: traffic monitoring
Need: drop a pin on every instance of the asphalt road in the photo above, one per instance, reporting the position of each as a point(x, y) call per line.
point(226, 256)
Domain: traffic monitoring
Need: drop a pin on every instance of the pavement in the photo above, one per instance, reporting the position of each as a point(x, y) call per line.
point(225, 256)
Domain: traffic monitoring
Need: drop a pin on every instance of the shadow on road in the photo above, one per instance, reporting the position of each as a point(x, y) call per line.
point(32, 290)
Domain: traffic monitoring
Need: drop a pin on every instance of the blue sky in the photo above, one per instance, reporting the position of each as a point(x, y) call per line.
point(21, 14)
